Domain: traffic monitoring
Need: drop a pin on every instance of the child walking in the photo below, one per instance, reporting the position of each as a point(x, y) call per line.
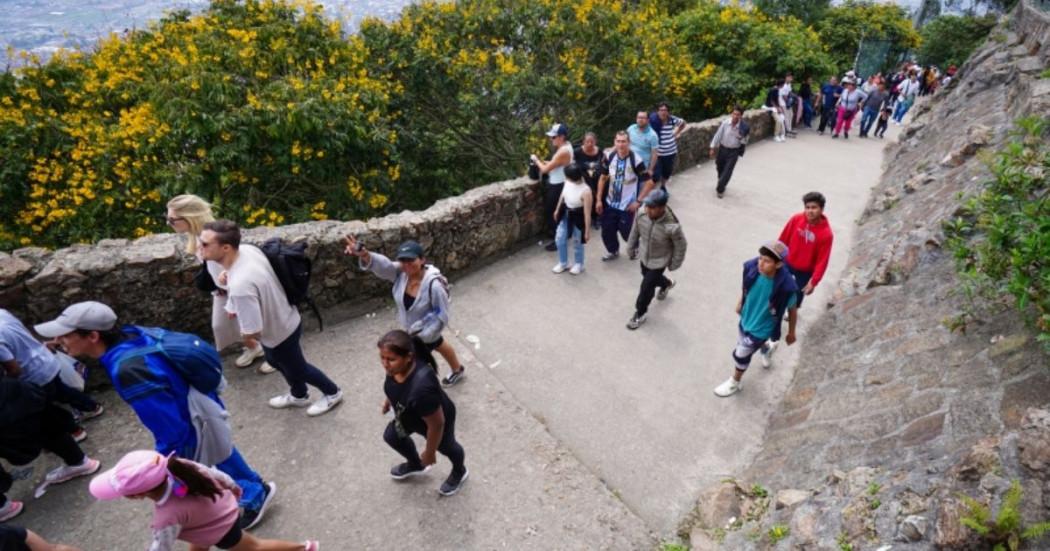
point(192, 503)
point(884, 121)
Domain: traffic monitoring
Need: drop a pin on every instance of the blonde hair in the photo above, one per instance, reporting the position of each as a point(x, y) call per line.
point(196, 212)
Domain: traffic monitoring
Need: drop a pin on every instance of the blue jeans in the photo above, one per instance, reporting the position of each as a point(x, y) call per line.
point(252, 493)
point(561, 238)
point(615, 221)
point(807, 113)
point(288, 358)
point(902, 109)
point(868, 119)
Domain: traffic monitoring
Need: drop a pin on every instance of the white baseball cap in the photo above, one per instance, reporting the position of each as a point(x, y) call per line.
point(90, 316)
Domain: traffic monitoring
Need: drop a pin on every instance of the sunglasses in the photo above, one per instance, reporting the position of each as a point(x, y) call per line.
point(173, 219)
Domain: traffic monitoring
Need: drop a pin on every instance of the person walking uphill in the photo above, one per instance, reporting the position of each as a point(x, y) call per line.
point(554, 169)
point(191, 503)
point(729, 141)
point(262, 310)
point(619, 195)
point(574, 220)
point(420, 293)
point(419, 406)
point(768, 292)
point(658, 242)
point(163, 392)
point(809, 237)
point(187, 214)
point(29, 424)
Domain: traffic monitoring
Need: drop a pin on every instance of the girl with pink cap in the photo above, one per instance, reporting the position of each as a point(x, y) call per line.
point(192, 503)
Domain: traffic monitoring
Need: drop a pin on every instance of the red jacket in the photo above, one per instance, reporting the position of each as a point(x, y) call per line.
point(809, 245)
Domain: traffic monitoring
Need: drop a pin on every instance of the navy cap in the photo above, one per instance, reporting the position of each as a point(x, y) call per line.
point(409, 250)
point(558, 129)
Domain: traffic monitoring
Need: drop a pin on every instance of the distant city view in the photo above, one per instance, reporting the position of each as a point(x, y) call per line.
point(44, 26)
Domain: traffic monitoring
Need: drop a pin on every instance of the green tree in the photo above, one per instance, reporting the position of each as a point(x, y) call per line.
point(744, 50)
point(844, 25)
point(807, 11)
point(950, 39)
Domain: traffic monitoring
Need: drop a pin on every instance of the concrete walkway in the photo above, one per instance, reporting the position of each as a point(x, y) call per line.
point(579, 433)
point(637, 407)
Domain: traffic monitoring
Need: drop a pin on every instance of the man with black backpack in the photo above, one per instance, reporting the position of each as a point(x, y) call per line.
point(259, 302)
point(623, 184)
point(171, 380)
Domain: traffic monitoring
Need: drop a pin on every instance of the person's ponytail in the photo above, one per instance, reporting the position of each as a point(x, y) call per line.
point(423, 354)
point(195, 482)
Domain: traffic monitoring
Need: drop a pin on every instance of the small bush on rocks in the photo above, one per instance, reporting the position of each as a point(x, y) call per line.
point(1005, 531)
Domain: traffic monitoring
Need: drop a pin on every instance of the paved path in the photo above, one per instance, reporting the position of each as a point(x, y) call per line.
point(637, 407)
point(579, 434)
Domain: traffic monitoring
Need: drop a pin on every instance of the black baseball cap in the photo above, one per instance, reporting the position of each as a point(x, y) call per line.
point(409, 250)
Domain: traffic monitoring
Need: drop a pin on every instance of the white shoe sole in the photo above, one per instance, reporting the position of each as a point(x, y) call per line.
point(462, 481)
point(287, 405)
point(92, 469)
point(247, 358)
point(411, 474)
point(312, 412)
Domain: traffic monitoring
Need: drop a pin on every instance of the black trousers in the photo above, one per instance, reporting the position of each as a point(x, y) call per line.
point(652, 278)
point(447, 447)
point(551, 194)
point(57, 391)
point(827, 118)
point(21, 447)
point(725, 162)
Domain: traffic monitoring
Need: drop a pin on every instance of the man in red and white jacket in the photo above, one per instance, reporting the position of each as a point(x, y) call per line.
point(808, 237)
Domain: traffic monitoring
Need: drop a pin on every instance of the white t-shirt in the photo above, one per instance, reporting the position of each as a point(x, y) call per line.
point(258, 300)
point(572, 193)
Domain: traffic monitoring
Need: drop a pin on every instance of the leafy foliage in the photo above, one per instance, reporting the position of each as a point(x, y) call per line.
point(1000, 239)
point(743, 51)
point(1006, 531)
point(844, 25)
point(777, 532)
point(950, 39)
point(807, 11)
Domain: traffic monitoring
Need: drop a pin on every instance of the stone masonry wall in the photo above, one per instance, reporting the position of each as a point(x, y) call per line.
point(149, 280)
point(890, 416)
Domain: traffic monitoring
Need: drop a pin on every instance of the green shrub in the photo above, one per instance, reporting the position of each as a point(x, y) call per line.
point(844, 25)
point(1006, 531)
point(1001, 238)
point(950, 39)
point(777, 532)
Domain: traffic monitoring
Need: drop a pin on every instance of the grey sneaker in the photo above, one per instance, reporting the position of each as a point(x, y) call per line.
point(662, 294)
point(453, 483)
point(404, 470)
point(636, 321)
point(456, 376)
point(610, 256)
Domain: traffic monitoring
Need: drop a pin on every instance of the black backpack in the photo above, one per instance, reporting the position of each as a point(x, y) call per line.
point(293, 269)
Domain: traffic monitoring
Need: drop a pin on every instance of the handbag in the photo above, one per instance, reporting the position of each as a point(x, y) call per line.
point(202, 280)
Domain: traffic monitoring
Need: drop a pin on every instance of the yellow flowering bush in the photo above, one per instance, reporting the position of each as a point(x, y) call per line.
point(262, 107)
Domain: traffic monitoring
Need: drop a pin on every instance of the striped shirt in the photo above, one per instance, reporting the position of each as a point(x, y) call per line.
point(668, 145)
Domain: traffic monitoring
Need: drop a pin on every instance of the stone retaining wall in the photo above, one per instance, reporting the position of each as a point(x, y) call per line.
point(149, 280)
point(890, 415)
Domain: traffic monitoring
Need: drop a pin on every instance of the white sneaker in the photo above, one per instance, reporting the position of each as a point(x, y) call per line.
point(766, 353)
point(288, 401)
point(248, 356)
point(576, 269)
point(69, 472)
point(559, 268)
point(728, 388)
point(325, 404)
point(10, 510)
point(265, 368)
point(610, 256)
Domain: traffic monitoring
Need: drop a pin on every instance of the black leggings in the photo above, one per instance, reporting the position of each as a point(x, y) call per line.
point(448, 446)
point(652, 278)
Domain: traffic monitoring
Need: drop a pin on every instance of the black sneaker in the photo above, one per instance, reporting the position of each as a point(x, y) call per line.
point(552, 246)
point(662, 294)
point(453, 483)
point(404, 470)
point(251, 517)
point(456, 376)
point(636, 321)
point(85, 415)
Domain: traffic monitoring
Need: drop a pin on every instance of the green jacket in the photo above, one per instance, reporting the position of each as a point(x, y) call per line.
point(658, 243)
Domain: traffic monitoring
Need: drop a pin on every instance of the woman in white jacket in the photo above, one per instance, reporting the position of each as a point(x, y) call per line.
point(420, 293)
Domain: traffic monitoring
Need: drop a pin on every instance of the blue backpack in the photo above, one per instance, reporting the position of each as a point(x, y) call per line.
point(190, 356)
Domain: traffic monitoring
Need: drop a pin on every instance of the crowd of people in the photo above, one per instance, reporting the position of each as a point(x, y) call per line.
point(206, 493)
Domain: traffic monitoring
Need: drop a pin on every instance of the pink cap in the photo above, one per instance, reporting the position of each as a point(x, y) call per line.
point(136, 473)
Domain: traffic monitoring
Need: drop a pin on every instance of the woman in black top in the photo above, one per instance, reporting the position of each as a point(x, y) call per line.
point(420, 406)
point(589, 157)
